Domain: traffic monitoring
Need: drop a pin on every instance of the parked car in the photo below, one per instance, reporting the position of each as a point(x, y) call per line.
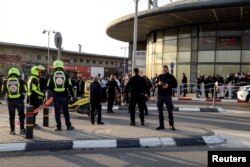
point(243, 94)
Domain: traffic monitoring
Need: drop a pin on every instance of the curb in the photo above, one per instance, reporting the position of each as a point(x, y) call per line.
point(178, 109)
point(208, 100)
point(111, 143)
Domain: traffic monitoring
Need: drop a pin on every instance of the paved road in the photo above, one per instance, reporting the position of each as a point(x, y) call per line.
point(138, 157)
point(234, 125)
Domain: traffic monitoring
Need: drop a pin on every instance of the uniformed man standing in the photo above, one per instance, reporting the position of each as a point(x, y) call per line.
point(60, 84)
point(111, 90)
point(138, 87)
point(165, 82)
point(96, 101)
point(15, 88)
point(35, 94)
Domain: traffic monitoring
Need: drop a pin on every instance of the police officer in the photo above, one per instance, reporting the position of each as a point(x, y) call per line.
point(60, 84)
point(138, 87)
point(15, 89)
point(35, 94)
point(96, 101)
point(111, 90)
point(165, 82)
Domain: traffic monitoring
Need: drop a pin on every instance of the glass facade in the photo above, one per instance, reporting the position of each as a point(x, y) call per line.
point(214, 48)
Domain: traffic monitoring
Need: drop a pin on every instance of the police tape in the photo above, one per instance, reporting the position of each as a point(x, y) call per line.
point(37, 110)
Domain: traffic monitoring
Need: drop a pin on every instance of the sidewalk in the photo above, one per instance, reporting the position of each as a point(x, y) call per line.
point(115, 133)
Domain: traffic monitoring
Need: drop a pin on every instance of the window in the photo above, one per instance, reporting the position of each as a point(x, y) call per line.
point(246, 43)
point(169, 57)
point(75, 60)
point(228, 56)
point(81, 60)
point(107, 62)
point(184, 44)
point(170, 34)
point(246, 30)
point(87, 61)
point(158, 47)
point(159, 36)
point(182, 69)
point(53, 58)
point(228, 43)
point(112, 63)
point(184, 32)
point(205, 69)
point(207, 30)
point(170, 46)
point(229, 29)
point(184, 57)
point(207, 43)
point(206, 56)
point(225, 69)
point(246, 56)
point(38, 57)
point(100, 62)
point(94, 61)
point(46, 57)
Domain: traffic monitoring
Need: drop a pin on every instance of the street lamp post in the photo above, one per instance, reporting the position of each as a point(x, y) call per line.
point(124, 70)
point(135, 34)
point(48, 31)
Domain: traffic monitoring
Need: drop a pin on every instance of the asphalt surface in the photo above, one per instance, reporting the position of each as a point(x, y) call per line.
point(233, 124)
point(135, 157)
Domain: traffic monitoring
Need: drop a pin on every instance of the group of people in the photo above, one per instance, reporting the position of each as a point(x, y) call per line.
point(136, 90)
point(58, 84)
point(233, 79)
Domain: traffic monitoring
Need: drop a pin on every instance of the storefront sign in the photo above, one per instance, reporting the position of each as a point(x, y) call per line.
point(229, 42)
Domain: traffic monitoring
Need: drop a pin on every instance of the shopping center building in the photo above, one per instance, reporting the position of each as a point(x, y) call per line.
point(191, 36)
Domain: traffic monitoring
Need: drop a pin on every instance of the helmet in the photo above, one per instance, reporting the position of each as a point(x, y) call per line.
point(36, 69)
point(41, 68)
point(58, 64)
point(14, 71)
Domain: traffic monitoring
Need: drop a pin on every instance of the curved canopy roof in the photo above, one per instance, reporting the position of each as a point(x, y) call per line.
point(177, 14)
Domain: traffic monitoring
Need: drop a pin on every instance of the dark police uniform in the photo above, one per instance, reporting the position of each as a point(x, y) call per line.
point(165, 96)
point(138, 87)
point(15, 89)
point(111, 87)
point(95, 102)
point(60, 83)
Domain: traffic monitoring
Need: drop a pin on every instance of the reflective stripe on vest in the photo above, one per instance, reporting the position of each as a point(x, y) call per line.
point(30, 85)
point(13, 87)
point(59, 79)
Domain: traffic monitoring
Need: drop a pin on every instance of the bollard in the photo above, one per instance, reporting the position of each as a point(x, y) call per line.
point(229, 91)
point(202, 90)
point(178, 91)
point(29, 122)
point(46, 117)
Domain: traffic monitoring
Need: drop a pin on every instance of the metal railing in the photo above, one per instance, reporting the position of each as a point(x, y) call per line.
point(204, 90)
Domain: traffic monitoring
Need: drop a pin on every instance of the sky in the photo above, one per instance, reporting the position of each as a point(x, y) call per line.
point(79, 21)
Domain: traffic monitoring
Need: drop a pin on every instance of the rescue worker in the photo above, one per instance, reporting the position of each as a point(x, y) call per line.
point(60, 84)
point(35, 94)
point(138, 87)
point(165, 82)
point(15, 88)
